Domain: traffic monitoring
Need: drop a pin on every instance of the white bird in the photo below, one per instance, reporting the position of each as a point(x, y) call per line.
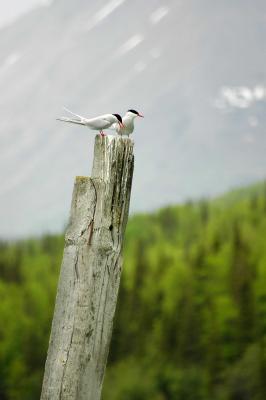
point(96, 124)
point(128, 123)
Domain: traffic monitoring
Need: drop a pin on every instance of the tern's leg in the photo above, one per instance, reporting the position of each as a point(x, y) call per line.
point(102, 134)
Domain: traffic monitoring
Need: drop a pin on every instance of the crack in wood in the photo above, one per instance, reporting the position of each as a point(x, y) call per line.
point(65, 362)
point(91, 225)
point(76, 267)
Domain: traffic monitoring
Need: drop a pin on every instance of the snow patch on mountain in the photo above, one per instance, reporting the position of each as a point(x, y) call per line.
point(158, 14)
point(130, 44)
point(239, 96)
point(104, 12)
point(10, 60)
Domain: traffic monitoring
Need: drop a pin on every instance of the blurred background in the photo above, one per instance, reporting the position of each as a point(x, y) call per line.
point(191, 320)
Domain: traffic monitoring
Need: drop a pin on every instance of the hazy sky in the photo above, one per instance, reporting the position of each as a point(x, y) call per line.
point(11, 9)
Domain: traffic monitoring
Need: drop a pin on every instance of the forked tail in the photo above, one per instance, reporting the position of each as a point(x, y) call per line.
point(71, 121)
point(79, 120)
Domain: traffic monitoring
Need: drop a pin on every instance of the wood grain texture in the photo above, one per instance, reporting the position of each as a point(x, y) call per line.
point(90, 275)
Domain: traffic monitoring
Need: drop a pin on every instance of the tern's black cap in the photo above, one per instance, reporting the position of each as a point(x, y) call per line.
point(118, 117)
point(134, 112)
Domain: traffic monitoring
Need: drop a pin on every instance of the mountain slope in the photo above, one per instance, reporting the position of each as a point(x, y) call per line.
point(168, 59)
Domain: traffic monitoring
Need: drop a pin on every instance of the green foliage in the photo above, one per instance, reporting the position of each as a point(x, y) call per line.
point(191, 316)
point(26, 308)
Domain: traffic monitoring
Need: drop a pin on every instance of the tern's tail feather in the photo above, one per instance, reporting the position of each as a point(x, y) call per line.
point(70, 120)
point(75, 115)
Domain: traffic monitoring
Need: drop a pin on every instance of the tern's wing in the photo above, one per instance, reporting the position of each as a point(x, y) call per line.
point(98, 123)
point(115, 126)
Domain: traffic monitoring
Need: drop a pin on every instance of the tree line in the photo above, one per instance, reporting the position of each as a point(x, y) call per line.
point(191, 316)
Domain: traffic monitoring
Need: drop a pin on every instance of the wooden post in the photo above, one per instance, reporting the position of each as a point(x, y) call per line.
point(90, 275)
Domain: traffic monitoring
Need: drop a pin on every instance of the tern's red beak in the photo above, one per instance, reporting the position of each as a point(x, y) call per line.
point(140, 115)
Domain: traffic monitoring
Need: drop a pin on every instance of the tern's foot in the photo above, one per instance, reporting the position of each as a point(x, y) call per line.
point(102, 134)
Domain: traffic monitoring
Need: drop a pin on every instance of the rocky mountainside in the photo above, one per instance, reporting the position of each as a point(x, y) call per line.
point(196, 70)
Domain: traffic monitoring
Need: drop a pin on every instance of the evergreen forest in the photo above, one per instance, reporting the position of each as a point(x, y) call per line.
point(190, 322)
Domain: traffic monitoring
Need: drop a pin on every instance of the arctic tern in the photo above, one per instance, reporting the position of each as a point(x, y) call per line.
point(97, 123)
point(128, 123)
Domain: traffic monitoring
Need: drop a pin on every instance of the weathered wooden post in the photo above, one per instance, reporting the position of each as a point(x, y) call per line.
point(90, 275)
